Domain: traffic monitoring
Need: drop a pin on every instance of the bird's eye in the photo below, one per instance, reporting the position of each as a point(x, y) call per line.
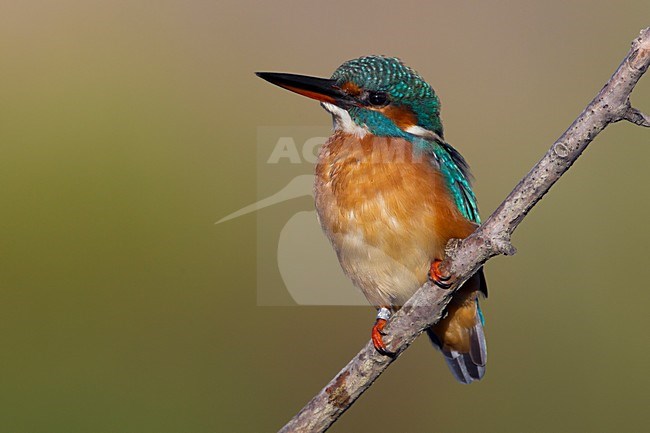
point(377, 98)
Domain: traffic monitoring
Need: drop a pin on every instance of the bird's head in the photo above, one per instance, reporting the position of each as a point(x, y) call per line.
point(377, 94)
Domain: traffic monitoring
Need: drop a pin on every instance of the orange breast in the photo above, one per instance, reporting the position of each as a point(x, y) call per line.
point(387, 213)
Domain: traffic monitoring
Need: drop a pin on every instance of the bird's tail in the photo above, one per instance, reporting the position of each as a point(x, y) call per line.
point(459, 336)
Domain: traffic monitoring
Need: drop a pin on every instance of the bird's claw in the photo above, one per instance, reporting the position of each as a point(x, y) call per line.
point(442, 281)
point(377, 337)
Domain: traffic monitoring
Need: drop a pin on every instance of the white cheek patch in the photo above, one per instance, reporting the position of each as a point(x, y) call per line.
point(421, 132)
point(343, 121)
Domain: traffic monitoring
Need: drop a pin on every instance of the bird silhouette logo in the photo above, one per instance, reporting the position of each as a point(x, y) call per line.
point(307, 266)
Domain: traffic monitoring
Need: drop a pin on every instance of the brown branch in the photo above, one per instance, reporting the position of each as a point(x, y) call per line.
point(465, 257)
point(635, 116)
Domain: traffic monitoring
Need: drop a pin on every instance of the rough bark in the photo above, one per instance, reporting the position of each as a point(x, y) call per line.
point(492, 238)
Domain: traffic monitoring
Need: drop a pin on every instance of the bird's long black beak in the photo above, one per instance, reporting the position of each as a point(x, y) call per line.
point(321, 89)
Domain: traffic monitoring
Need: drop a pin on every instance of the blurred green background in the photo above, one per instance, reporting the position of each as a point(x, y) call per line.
point(128, 128)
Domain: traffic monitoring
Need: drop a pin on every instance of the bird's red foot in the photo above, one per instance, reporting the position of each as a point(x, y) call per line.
point(377, 337)
point(383, 314)
point(437, 276)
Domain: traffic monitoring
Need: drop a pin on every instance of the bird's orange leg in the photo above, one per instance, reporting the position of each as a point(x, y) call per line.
point(437, 276)
point(383, 314)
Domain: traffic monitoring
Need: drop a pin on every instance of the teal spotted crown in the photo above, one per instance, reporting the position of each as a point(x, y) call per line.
point(402, 83)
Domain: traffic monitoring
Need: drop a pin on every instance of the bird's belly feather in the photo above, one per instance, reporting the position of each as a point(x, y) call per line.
point(386, 219)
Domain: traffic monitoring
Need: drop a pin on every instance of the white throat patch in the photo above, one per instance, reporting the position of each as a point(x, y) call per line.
point(343, 121)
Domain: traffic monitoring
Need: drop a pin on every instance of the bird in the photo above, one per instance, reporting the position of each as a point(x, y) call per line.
point(390, 192)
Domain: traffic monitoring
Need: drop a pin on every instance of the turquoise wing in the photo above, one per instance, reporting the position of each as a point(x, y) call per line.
point(456, 172)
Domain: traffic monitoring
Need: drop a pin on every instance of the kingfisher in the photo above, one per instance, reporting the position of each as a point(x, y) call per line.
point(390, 193)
